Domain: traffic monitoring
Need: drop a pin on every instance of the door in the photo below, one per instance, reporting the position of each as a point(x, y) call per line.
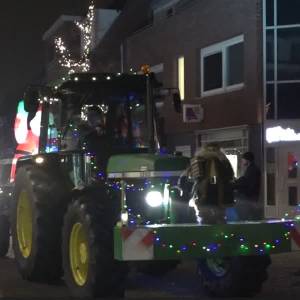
point(288, 181)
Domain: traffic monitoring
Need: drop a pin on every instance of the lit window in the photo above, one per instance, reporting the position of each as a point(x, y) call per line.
point(222, 67)
point(181, 77)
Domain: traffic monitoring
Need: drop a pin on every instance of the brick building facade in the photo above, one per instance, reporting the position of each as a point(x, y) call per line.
point(235, 63)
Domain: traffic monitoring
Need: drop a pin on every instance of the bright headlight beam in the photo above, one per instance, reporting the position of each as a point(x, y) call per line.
point(39, 160)
point(154, 198)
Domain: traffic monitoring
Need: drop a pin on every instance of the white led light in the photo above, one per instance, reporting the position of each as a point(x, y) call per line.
point(39, 160)
point(108, 78)
point(154, 198)
point(166, 198)
point(94, 78)
point(76, 78)
point(124, 217)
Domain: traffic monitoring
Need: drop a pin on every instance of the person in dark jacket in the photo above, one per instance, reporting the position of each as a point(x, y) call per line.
point(248, 185)
point(247, 189)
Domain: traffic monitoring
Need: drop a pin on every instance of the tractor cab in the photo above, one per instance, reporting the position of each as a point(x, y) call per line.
point(96, 116)
point(86, 109)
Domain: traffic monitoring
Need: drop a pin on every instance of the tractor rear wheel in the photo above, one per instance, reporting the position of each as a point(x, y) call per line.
point(4, 235)
point(240, 276)
point(88, 254)
point(37, 216)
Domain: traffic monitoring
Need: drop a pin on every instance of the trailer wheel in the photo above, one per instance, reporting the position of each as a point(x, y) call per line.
point(88, 260)
point(37, 215)
point(240, 276)
point(4, 235)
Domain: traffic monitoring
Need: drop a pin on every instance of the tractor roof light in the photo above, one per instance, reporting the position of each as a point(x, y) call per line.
point(146, 70)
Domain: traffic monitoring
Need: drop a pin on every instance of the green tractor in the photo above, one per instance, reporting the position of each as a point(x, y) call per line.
point(6, 189)
point(99, 197)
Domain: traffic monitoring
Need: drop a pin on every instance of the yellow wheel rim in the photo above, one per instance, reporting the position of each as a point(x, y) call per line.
point(79, 254)
point(24, 224)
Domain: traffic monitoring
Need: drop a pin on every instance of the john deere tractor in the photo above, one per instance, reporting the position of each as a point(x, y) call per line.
point(98, 196)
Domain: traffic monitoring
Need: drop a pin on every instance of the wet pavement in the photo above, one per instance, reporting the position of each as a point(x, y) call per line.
point(182, 283)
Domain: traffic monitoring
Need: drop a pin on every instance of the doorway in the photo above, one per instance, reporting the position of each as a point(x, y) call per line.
point(288, 181)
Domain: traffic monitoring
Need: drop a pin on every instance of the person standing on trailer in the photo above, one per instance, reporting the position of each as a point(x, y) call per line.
point(247, 189)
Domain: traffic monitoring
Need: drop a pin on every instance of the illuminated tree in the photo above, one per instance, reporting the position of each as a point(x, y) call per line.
point(65, 57)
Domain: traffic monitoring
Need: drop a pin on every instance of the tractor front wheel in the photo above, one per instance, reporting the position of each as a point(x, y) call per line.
point(89, 265)
point(240, 276)
point(37, 216)
point(4, 235)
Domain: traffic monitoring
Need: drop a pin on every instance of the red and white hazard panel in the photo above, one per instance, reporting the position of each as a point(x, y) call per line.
point(137, 244)
point(295, 237)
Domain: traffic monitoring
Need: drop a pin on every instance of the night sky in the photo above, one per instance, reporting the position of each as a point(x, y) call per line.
point(23, 22)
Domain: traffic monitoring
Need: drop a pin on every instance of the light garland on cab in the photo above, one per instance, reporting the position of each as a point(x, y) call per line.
point(86, 27)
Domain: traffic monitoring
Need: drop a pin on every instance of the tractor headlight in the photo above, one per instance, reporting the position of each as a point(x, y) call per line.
point(154, 198)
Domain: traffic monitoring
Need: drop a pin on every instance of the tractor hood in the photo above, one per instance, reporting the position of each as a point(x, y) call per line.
point(146, 165)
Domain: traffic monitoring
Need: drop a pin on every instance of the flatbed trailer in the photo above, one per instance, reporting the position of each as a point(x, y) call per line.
point(192, 241)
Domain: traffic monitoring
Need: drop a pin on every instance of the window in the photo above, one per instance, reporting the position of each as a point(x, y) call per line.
point(292, 165)
point(289, 54)
point(54, 126)
point(222, 67)
point(293, 195)
point(288, 101)
point(271, 189)
point(270, 54)
point(271, 178)
point(235, 68)
point(270, 12)
point(213, 72)
point(181, 77)
point(288, 12)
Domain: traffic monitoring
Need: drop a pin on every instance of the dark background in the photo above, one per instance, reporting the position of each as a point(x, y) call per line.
point(22, 24)
point(22, 55)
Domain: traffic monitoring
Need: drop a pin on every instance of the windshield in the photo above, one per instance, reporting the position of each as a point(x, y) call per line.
point(122, 124)
point(94, 107)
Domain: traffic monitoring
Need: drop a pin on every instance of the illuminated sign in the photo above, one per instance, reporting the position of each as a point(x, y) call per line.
point(279, 134)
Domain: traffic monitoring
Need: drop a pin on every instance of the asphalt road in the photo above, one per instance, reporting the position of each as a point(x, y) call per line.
point(284, 283)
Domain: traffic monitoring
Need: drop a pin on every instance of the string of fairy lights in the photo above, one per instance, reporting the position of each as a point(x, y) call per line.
point(65, 57)
point(225, 240)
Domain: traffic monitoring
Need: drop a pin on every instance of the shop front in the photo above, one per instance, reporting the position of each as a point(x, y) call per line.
point(282, 145)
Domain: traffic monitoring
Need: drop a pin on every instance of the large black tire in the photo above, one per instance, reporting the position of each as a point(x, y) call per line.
point(104, 276)
point(241, 276)
point(4, 235)
point(37, 242)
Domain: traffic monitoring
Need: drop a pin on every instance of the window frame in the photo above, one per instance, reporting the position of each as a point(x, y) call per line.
point(223, 49)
